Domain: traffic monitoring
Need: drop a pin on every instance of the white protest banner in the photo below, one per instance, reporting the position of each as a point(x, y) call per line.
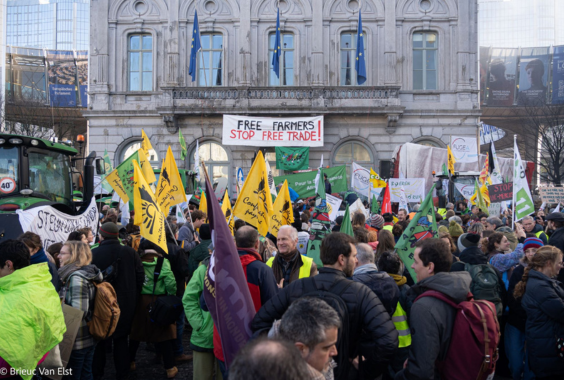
point(464, 149)
point(303, 239)
point(269, 131)
point(360, 179)
point(414, 189)
point(466, 190)
point(551, 194)
point(54, 226)
point(333, 204)
point(358, 206)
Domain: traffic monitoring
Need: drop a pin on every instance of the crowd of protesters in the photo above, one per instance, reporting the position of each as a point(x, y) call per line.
point(361, 315)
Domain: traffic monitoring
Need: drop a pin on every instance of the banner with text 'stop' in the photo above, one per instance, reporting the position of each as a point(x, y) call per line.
point(270, 131)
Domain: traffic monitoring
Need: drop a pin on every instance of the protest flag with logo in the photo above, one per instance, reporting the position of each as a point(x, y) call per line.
point(121, 179)
point(387, 201)
point(146, 144)
point(108, 168)
point(375, 206)
point(226, 292)
point(422, 226)
point(451, 160)
point(282, 213)
point(228, 212)
point(346, 226)
point(170, 190)
point(522, 199)
point(254, 204)
point(375, 180)
point(148, 214)
point(183, 149)
point(292, 158)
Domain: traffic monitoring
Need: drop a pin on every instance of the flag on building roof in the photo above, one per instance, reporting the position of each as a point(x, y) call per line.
point(195, 46)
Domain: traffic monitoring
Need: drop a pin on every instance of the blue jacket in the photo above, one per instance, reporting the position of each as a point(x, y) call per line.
point(381, 284)
point(544, 304)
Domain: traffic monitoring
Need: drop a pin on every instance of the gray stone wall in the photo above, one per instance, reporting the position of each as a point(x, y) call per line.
point(392, 114)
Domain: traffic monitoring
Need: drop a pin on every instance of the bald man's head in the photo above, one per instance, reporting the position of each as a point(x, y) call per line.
point(246, 237)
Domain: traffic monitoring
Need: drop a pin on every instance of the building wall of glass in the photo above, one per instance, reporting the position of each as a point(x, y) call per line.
point(520, 23)
point(52, 24)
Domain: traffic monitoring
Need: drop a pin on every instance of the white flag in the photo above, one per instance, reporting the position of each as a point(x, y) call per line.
point(180, 212)
point(270, 178)
point(333, 205)
point(197, 161)
point(522, 199)
point(360, 179)
point(557, 209)
point(125, 216)
point(403, 200)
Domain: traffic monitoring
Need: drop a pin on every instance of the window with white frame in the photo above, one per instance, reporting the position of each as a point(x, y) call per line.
point(425, 47)
point(348, 58)
point(286, 60)
point(210, 69)
point(140, 56)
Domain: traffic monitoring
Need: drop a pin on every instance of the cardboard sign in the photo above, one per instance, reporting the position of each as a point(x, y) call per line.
point(333, 204)
point(501, 192)
point(494, 209)
point(414, 189)
point(269, 131)
point(552, 194)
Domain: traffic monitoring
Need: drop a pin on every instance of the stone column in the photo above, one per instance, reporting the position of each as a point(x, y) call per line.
point(317, 61)
point(390, 46)
point(245, 43)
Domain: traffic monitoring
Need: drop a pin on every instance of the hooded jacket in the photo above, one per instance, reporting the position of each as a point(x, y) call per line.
point(166, 283)
point(367, 315)
point(200, 320)
point(543, 302)
point(432, 323)
point(31, 315)
point(197, 254)
point(79, 292)
point(380, 283)
point(41, 257)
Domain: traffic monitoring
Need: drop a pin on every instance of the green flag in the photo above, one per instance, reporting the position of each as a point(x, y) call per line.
point(304, 183)
point(422, 226)
point(346, 226)
point(108, 167)
point(375, 206)
point(320, 227)
point(184, 151)
point(292, 158)
point(445, 171)
point(121, 179)
point(522, 199)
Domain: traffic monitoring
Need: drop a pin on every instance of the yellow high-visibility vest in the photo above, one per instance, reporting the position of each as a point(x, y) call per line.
point(305, 269)
point(400, 321)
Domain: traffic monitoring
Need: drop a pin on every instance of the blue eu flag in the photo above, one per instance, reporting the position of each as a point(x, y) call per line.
point(277, 50)
point(196, 46)
point(360, 65)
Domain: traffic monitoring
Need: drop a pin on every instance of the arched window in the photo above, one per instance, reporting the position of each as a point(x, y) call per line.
point(353, 151)
point(429, 141)
point(216, 160)
point(133, 147)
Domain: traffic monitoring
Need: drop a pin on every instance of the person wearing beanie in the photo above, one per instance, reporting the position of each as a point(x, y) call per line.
point(337, 226)
point(127, 284)
point(517, 318)
point(455, 230)
point(376, 222)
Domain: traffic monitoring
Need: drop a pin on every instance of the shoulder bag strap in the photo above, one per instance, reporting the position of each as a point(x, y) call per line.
point(341, 286)
point(157, 273)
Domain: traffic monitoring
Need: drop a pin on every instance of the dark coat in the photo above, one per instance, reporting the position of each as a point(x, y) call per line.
point(543, 302)
point(557, 239)
point(178, 265)
point(432, 323)
point(380, 283)
point(516, 316)
point(543, 236)
point(129, 281)
point(367, 315)
point(197, 255)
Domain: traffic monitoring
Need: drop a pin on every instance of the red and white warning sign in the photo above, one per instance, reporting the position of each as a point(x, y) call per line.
point(7, 185)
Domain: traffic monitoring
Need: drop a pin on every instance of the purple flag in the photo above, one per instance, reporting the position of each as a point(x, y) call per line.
point(226, 291)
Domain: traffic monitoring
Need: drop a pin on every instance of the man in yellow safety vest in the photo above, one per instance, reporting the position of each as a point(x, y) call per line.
point(289, 265)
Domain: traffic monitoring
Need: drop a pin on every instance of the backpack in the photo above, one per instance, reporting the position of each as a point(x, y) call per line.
point(473, 352)
point(333, 298)
point(105, 315)
point(485, 285)
point(164, 310)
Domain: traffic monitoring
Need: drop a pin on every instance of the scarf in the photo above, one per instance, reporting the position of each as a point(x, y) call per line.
point(39, 257)
point(400, 280)
point(67, 270)
point(278, 268)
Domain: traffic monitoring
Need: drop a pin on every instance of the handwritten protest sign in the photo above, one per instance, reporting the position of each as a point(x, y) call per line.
point(414, 189)
point(501, 192)
point(269, 131)
point(54, 226)
point(552, 194)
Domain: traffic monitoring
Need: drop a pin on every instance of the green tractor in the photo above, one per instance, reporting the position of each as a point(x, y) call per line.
point(36, 172)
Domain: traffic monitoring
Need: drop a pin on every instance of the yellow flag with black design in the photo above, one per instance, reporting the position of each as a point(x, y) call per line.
point(254, 204)
point(121, 178)
point(146, 144)
point(228, 212)
point(282, 213)
point(148, 215)
point(451, 160)
point(170, 190)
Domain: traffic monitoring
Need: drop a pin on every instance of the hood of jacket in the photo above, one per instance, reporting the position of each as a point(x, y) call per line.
point(39, 257)
point(538, 228)
point(368, 269)
point(473, 256)
point(456, 285)
point(90, 273)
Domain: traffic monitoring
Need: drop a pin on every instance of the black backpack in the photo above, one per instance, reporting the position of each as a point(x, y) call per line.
point(334, 299)
point(165, 310)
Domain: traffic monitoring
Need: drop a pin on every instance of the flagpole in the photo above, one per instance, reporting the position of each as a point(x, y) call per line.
point(513, 200)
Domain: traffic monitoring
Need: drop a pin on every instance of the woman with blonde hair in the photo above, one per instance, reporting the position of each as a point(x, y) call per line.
point(78, 277)
point(543, 301)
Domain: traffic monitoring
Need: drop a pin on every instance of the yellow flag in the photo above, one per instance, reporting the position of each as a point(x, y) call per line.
point(254, 204)
point(146, 144)
point(203, 203)
point(146, 168)
point(451, 160)
point(148, 215)
point(170, 190)
point(375, 180)
point(485, 194)
point(282, 214)
point(228, 212)
point(121, 178)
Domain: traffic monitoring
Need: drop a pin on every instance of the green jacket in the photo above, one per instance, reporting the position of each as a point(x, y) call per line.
point(201, 321)
point(32, 320)
point(166, 283)
point(197, 255)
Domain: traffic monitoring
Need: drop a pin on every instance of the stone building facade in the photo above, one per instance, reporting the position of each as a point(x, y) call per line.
point(421, 59)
